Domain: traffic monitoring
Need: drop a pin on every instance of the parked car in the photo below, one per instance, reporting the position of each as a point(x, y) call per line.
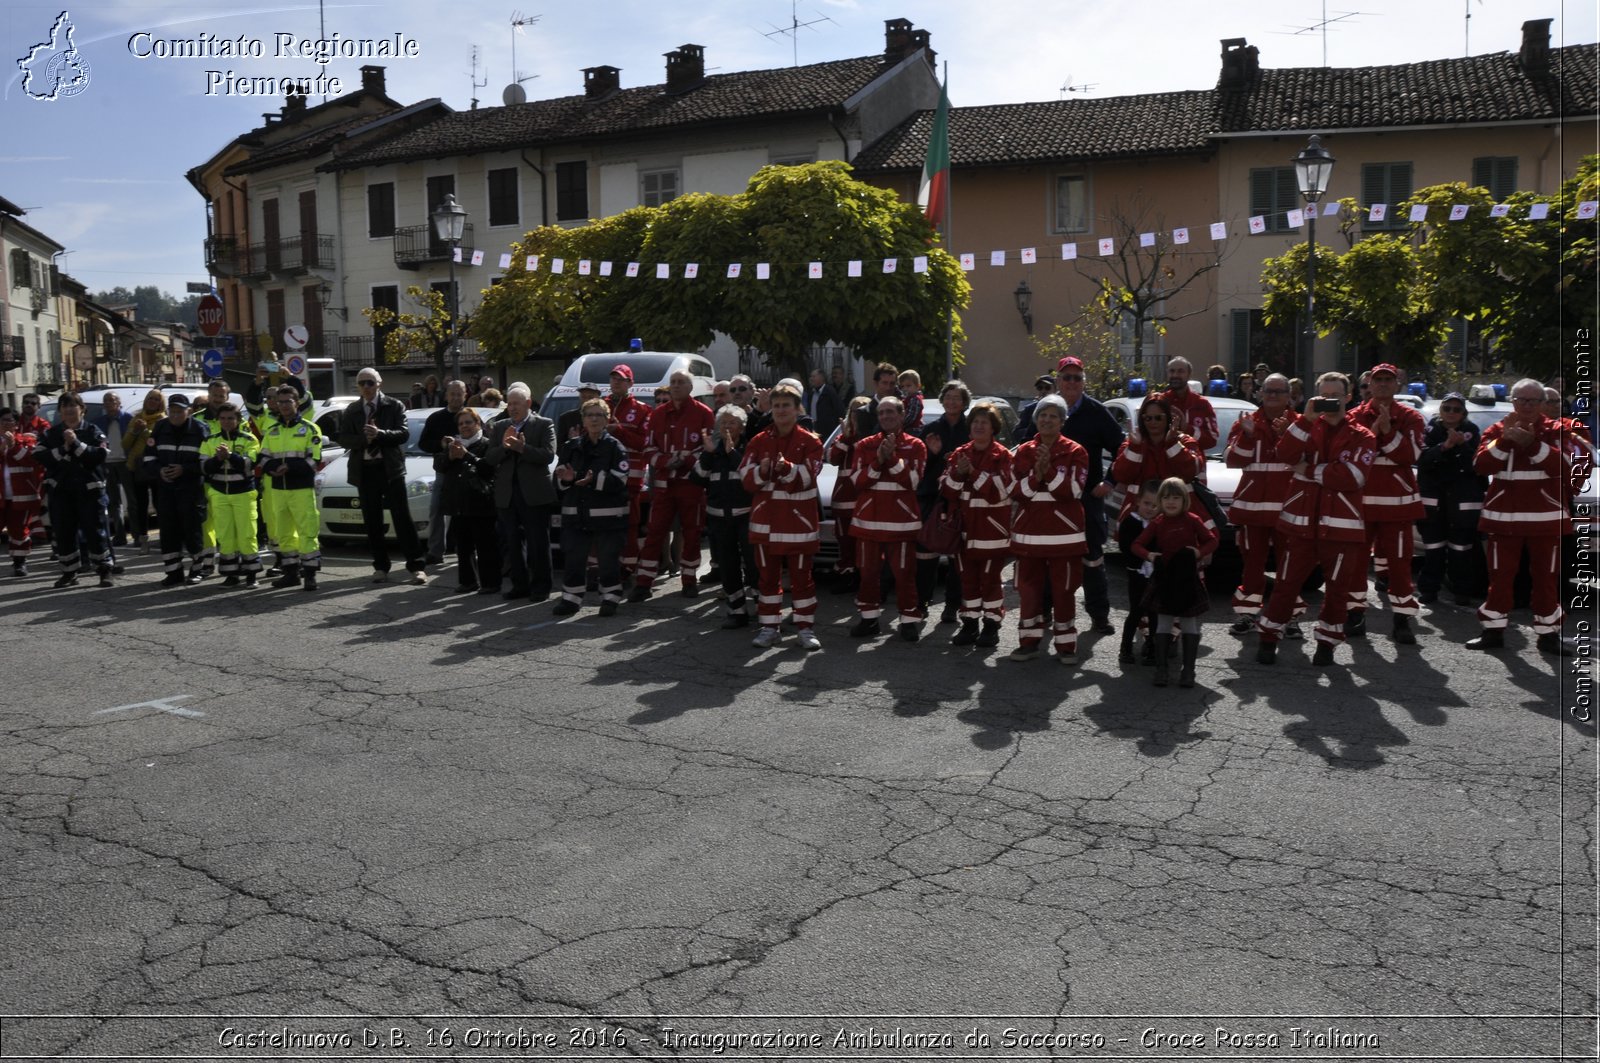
point(341, 507)
point(132, 396)
point(1222, 480)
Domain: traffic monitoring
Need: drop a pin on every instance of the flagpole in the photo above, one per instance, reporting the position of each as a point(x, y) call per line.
point(949, 207)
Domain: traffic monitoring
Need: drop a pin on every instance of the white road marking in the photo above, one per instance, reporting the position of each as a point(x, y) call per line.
point(160, 705)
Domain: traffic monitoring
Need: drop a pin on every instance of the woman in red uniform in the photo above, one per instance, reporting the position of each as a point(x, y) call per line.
point(780, 473)
point(978, 479)
point(1047, 531)
point(1154, 450)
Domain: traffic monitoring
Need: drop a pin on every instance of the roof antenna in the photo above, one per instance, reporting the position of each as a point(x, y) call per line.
point(476, 84)
point(795, 26)
point(1067, 86)
point(514, 92)
point(1322, 26)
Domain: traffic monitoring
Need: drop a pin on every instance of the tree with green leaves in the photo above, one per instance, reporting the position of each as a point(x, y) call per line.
point(425, 330)
point(1091, 339)
point(787, 217)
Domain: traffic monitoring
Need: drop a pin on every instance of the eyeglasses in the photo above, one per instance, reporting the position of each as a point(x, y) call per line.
point(1274, 391)
point(1527, 399)
point(1070, 376)
point(1452, 409)
point(741, 387)
point(367, 383)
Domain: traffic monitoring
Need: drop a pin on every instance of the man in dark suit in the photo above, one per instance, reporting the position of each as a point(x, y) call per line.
point(373, 430)
point(520, 449)
point(822, 404)
point(1090, 424)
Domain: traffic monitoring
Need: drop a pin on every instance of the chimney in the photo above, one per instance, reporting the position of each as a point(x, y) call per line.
point(601, 81)
point(896, 40)
point(1535, 55)
point(919, 42)
point(1241, 64)
point(372, 80)
point(686, 68)
point(294, 106)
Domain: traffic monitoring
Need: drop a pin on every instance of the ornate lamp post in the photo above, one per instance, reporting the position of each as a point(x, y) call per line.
point(449, 219)
point(1313, 168)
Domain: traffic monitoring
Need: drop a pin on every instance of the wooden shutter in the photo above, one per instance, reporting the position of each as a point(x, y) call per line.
point(270, 234)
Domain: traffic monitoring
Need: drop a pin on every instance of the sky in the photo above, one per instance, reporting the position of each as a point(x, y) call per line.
point(102, 171)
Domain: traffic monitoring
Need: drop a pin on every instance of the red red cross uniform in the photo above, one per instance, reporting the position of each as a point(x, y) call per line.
point(1263, 486)
point(630, 424)
point(1048, 539)
point(1140, 460)
point(785, 520)
point(1202, 418)
point(20, 476)
point(673, 440)
point(1525, 507)
point(843, 503)
point(1323, 521)
point(983, 498)
point(886, 521)
point(1392, 502)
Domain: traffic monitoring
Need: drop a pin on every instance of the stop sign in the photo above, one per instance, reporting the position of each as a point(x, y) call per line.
point(210, 315)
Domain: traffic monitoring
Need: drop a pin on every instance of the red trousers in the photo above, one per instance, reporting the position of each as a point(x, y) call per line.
point(981, 592)
point(802, 587)
point(902, 558)
point(1339, 560)
point(17, 520)
point(1254, 541)
point(630, 542)
point(1544, 562)
point(1063, 575)
point(687, 503)
point(1390, 541)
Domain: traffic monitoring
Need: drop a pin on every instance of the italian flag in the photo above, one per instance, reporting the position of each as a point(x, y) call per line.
point(934, 195)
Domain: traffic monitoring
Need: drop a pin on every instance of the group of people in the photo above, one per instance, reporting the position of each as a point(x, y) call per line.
point(1321, 491)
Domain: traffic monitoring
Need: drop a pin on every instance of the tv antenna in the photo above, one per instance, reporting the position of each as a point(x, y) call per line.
point(792, 30)
point(1322, 25)
point(1466, 33)
point(476, 84)
point(519, 20)
point(1067, 86)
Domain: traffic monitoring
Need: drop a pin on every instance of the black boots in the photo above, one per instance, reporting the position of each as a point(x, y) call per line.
point(1324, 655)
point(968, 635)
point(1191, 650)
point(290, 577)
point(1491, 638)
point(1163, 654)
point(1266, 652)
point(990, 636)
point(1403, 635)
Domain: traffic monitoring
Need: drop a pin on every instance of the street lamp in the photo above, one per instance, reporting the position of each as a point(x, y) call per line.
point(449, 219)
point(1024, 297)
point(1313, 168)
point(325, 296)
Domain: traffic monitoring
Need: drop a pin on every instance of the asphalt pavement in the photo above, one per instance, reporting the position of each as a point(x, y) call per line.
point(393, 821)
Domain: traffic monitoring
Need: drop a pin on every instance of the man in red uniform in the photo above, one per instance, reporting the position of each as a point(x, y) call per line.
point(19, 489)
point(887, 468)
point(1323, 516)
point(1263, 487)
point(780, 472)
point(1392, 502)
point(30, 423)
point(1191, 411)
point(630, 420)
point(1525, 508)
point(1048, 536)
point(676, 430)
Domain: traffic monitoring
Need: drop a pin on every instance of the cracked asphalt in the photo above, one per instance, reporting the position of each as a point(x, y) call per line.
point(403, 802)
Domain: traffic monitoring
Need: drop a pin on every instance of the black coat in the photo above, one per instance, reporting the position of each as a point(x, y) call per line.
point(1446, 477)
point(601, 504)
point(952, 436)
point(530, 469)
point(390, 419)
point(466, 485)
point(829, 409)
point(718, 473)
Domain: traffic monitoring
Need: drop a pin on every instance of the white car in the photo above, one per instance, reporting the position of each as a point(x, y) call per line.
point(651, 370)
point(340, 505)
point(1222, 480)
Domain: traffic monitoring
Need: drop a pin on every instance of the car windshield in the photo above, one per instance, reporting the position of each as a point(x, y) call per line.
point(1225, 421)
point(646, 367)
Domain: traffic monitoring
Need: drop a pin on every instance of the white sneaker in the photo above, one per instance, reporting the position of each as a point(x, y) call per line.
point(767, 638)
point(380, 576)
point(420, 578)
point(809, 640)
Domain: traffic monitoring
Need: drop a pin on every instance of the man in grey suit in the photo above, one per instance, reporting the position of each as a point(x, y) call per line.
point(373, 430)
point(823, 405)
point(520, 449)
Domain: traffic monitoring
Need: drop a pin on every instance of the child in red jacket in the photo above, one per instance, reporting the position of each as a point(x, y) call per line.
point(1176, 541)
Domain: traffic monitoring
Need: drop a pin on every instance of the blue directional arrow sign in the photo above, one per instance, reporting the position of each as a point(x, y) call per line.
point(211, 362)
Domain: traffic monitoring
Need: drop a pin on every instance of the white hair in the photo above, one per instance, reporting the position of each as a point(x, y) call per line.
point(1058, 403)
point(735, 411)
point(792, 382)
point(377, 375)
point(519, 389)
point(1528, 382)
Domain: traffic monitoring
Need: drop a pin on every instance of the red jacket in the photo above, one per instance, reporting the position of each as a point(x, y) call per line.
point(1391, 493)
point(1050, 520)
point(887, 510)
point(1526, 494)
point(1202, 417)
point(840, 453)
point(1580, 455)
point(983, 496)
point(1167, 535)
point(785, 515)
point(675, 431)
point(20, 475)
point(1137, 463)
point(1325, 500)
point(631, 427)
point(1264, 483)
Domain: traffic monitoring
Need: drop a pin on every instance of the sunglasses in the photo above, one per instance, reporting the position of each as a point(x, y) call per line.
point(1070, 376)
point(741, 387)
point(367, 383)
point(1452, 409)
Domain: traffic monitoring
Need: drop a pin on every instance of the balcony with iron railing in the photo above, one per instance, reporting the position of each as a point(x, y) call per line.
point(353, 352)
point(753, 364)
point(300, 254)
point(416, 245)
point(222, 256)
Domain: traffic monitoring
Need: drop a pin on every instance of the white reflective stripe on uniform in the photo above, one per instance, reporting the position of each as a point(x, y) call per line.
point(1249, 507)
point(1542, 453)
point(986, 544)
point(797, 496)
point(1022, 539)
point(1299, 433)
point(1295, 518)
point(1343, 522)
point(888, 526)
point(886, 487)
point(984, 503)
point(1549, 514)
point(1269, 466)
point(1524, 474)
point(790, 537)
point(1391, 500)
point(1133, 455)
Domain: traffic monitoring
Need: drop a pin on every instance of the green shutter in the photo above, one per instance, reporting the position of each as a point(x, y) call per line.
point(1239, 321)
point(1483, 173)
point(1400, 181)
point(1261, 186)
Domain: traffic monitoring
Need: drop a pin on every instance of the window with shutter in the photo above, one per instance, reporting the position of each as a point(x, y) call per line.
point(1388, 183)
point(380, 209)
point(1497, 173)
point(503, 206)
point(1239, 323)
point(572, 191)
point(1273, 193)
point(1072, 203)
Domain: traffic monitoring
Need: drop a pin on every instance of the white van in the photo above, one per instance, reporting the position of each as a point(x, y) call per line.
point(651, 370)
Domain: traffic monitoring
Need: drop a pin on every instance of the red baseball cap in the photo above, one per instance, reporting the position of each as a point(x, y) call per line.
point(624, 372)
point(1385, 367)
point(1069, 363)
